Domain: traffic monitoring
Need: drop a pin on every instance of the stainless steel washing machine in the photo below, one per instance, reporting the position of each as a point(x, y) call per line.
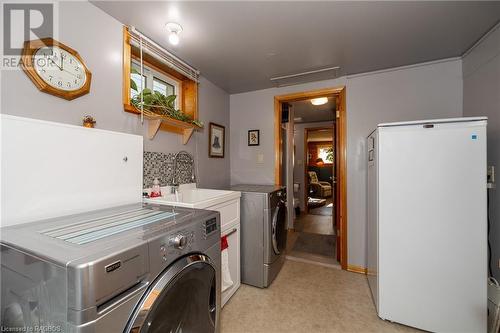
point(133, 268)
point(263, 232)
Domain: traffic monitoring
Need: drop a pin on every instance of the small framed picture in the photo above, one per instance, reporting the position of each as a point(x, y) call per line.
point(253, 137)
point(216, 140)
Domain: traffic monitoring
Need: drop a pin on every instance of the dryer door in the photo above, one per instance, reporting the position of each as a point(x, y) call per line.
point(278, 228)
point(182, 299)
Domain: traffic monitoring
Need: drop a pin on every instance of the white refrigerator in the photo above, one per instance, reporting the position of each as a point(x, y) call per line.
point(427, 223)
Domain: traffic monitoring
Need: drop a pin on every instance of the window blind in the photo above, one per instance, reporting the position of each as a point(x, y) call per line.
point(160, 53)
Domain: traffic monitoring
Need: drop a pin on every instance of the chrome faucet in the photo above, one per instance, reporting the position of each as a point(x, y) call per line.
point(174, 185)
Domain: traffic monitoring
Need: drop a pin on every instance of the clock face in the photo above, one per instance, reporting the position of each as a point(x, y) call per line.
point(59, 68)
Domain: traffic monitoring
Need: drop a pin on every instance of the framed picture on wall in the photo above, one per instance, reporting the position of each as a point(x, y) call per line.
point(253, 137)
point(216, 140)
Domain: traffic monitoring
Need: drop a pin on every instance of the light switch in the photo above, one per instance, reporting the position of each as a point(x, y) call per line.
point(260, 158)
point(299, 162)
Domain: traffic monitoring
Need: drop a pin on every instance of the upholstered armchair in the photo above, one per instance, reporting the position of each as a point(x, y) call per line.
point(319, 188)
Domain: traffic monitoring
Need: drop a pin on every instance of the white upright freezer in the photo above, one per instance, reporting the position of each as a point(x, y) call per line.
point(427, 223)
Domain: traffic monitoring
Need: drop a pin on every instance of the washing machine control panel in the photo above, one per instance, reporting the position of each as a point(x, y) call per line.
point(177, 243)
point(191, 237)
point(209, 226)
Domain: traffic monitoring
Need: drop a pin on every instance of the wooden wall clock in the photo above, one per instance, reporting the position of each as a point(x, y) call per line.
point(56, 68)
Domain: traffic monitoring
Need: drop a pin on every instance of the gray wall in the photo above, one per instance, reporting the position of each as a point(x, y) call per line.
point(298, 169)
point(432, 90)
point(481, 73)
point(100, 45)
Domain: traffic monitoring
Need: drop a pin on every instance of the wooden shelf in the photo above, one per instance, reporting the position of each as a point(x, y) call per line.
point(172, 125)
point(187, 94)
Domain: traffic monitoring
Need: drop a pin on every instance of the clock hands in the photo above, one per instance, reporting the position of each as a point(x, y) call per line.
point(70, 73)
point(55, 64)
point(62, 67)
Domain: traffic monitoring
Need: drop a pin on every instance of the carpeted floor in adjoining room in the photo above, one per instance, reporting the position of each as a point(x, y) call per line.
point(306, 298)
point(313, 240)
point(326, 209)
point(318, 244)
point(315, 224)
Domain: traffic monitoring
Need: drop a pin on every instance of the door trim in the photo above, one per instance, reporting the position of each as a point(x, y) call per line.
point(341, 122)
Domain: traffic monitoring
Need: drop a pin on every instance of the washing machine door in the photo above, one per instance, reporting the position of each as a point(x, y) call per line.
point(278, 228)
point(182, 299)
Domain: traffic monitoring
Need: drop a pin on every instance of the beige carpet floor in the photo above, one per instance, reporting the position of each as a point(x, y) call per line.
point(306, 298)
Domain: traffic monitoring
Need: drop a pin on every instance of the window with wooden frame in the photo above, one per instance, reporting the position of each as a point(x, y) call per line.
point(167, 95)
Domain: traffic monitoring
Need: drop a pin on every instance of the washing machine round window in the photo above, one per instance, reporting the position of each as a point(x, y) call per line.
point(181, 299)
point(278, 228)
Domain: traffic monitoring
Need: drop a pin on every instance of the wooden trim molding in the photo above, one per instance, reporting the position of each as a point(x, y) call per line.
point(309, 94)
point(341, 126)
point(277, 142)
point(187, 93)
point(127, 53)
point(356, 269)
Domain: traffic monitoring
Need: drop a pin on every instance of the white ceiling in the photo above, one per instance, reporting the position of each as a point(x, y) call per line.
point(313, 113)
point(240, 45)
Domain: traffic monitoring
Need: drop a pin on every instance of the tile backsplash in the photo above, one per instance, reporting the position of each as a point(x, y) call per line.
point(161, 166)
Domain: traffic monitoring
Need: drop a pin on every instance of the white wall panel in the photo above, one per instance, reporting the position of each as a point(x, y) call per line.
point(51, 169)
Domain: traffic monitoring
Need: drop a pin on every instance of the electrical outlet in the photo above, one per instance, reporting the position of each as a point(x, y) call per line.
point(491, 176)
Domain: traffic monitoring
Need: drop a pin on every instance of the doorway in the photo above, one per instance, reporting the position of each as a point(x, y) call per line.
point(319, 172)
point(314, 235)
point(329, 202)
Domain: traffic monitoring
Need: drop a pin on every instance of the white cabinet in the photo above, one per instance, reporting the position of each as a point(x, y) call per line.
point(233, 239)
point(230, 227)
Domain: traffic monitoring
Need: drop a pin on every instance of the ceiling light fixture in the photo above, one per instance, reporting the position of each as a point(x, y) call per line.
point(319, 101)
point(174, 29)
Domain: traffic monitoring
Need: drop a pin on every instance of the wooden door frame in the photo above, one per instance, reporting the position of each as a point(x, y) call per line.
point(341, 121)
point(306, 149)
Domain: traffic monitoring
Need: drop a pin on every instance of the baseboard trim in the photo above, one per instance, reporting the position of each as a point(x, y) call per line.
point(356, 269)
point(312, 262)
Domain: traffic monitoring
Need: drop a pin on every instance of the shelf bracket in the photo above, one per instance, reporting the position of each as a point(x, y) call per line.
point(186, 135)
point(154, 126)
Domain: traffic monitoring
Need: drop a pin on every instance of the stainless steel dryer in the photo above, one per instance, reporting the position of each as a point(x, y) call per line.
point(263, 232)
point(133, 268)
